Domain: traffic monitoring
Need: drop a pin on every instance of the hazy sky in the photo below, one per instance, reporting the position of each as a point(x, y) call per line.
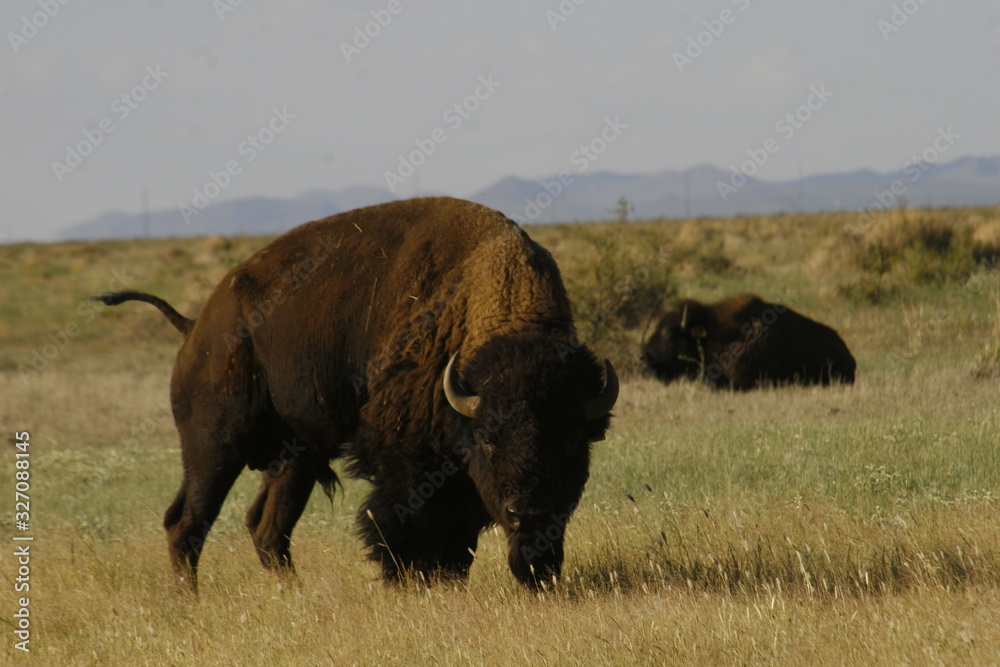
point(294, 96)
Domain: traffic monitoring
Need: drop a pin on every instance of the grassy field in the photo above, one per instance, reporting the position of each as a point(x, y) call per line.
point(793, 526)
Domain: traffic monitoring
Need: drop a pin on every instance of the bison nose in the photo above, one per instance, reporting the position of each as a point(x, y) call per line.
point(521, 515)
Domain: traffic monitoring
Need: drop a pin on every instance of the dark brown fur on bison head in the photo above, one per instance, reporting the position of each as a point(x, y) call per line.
point(539, 410)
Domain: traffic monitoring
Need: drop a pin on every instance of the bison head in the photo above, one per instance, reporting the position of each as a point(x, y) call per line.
point(531, 408)
point(676, 347)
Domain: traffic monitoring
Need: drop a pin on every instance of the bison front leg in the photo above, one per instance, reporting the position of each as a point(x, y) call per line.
point(284, 492)
point(429, 527)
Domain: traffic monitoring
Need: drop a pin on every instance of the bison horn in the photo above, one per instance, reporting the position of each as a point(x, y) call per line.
point(600, 405)
point(684, 317)
point(463, 404)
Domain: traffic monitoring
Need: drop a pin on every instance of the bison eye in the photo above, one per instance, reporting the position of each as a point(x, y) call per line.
point(488, 449)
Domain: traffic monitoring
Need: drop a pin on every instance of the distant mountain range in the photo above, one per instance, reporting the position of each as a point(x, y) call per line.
point(700, 191)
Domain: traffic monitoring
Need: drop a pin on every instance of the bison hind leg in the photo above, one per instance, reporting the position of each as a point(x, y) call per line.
point(190, 517)
point(284, 492)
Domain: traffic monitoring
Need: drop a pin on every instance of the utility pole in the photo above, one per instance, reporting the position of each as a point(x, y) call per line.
point(800, 187)
point(687, 193)
point(145, 212)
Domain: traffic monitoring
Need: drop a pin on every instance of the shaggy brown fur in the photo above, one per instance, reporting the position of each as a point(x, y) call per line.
point(742, 342)
point(332, 340)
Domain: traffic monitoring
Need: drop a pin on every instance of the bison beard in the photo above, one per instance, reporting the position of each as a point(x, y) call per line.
point(424, 341)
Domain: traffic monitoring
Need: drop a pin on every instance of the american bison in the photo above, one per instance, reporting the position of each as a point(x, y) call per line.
point(430, 343)
point(743, 342)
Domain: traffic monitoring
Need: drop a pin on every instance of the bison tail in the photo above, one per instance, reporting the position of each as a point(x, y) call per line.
point(328, 479)
point(180, 322)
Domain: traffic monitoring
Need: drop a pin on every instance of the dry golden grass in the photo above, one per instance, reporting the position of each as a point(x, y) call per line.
point(986, 364)
point(791, 526)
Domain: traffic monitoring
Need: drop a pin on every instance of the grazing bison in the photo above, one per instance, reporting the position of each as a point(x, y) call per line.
point(430, 343)
point(743, 341)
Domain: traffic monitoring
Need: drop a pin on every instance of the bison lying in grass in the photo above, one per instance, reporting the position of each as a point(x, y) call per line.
point(429, 342)
point(743, 342)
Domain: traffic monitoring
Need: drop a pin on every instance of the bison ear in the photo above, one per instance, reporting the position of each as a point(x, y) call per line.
point(699, 332)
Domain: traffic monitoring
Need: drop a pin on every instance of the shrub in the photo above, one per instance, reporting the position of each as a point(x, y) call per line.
point(986, 243)
point(873, 260)
point(701, 249)
point(618, 287)
point(901, 248)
